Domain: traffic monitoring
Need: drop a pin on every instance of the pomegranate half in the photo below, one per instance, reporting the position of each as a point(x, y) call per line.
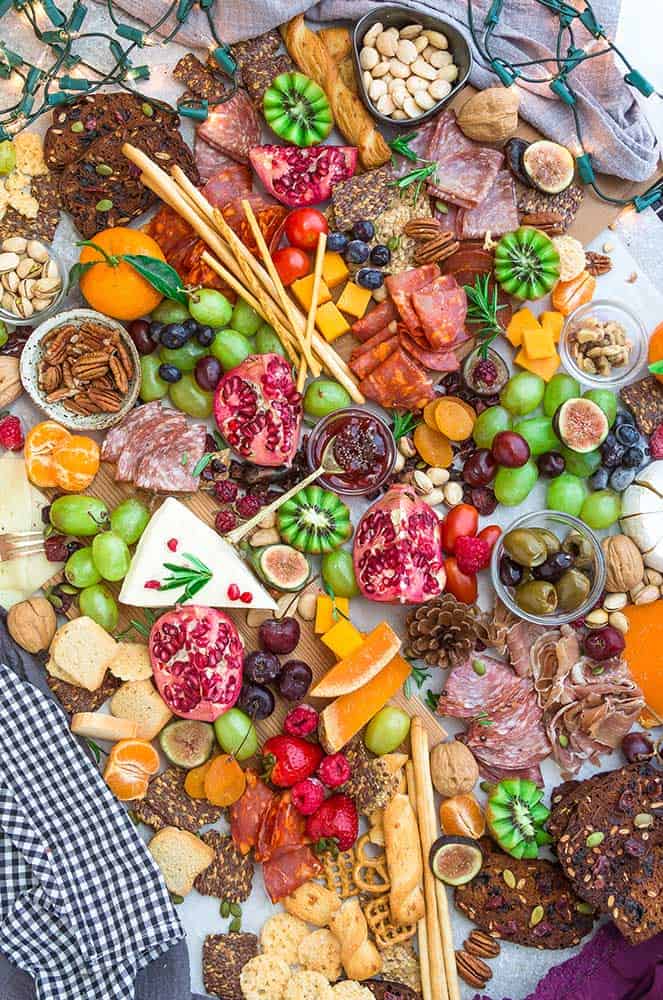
point(259, 411)
point(197, 655)
point(398, 549)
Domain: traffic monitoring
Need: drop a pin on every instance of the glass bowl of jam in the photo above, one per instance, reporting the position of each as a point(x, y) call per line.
point(364, 448)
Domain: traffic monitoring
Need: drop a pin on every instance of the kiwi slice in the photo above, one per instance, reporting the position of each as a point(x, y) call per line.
point(516, 816)
point(314, 520)
point(187, 742)
point(297, 109)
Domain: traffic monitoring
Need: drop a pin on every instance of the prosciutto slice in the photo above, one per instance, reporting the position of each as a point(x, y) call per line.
point(496, 214)
point(466, 170)
point(246, 814)
point(232, 127)
point(398, 383)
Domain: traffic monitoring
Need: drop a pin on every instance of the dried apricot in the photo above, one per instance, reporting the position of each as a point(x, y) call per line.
point(194, 783)
point(454, 420)
point(40, 443)
point(433, 446)
point(429, 413)
point(225, 781)
point(130, 765)
point(76, 462)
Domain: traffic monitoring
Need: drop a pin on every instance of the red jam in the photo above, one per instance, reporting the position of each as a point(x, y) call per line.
point(364, 449)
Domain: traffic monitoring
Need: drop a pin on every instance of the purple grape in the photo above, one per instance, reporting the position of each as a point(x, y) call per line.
point(139, 331)
point(261, 667)
point(279, 635)
point(551, 464)
point(208, 373)
point(294, 680)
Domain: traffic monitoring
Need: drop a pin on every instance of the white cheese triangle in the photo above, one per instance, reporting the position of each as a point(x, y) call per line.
point(173, 532)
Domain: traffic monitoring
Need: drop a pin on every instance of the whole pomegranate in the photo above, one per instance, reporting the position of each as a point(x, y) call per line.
point(196, 655)
point(259, 411)
point(398, 549)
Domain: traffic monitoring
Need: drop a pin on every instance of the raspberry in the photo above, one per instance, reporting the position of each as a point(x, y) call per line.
point(307, 796)
point(226, 491)
point(225, 521)
point(472, 554)
point(334, 770)
point(11, 433)
point(248, 505)
point(301, 721)
point(656, 442)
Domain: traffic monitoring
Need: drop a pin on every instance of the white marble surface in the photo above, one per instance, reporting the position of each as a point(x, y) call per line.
point(517, 971)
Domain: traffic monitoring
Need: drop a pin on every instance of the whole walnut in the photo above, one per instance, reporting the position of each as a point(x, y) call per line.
point(623, 563)
point(32, 624)
point(453, 769)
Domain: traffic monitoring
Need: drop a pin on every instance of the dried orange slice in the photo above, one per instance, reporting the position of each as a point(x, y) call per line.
point(40, 443)
point(76, 462)
point(225, 781)
point(130, 765)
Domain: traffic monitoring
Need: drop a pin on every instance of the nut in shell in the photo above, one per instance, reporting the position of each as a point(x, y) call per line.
point(618, 621)
point(453, 769)
point(647, 595)
point(10, 382)
point(625, 568)
point(490, 115)
point(32, 624)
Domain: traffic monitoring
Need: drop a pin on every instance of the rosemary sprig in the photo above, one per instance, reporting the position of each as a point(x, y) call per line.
point(336, 611)
point(431, 700)
point(136, 625)
point(482, 310)
point(401, 145)
point(190, 578)
point(419, 675)
point(417, 177)
point(403, 424)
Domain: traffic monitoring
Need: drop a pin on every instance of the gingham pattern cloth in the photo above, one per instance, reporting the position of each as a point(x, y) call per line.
point(82, 904)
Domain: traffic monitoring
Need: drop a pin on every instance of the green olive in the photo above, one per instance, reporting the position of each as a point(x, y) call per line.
point(580, 547)
point(537, 597)
point(525, 548)
point(550, 540)
point(572, 589)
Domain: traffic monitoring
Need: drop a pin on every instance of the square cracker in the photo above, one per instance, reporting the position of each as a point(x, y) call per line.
point(224, 957)
point(29, 151)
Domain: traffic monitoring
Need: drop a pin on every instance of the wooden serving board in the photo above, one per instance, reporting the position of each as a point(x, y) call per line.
point(310, 648)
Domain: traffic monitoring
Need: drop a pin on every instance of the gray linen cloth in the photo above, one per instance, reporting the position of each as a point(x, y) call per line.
point(614, 126)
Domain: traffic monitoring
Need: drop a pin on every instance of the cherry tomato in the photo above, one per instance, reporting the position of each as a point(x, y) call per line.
point(291, 263)
point(303, 226)
point(490, 534)
point(461, 520)
point(462, 586)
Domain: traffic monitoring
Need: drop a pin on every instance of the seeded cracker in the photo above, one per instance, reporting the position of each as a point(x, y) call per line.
point(200, 80)
point(645, 401)
point(230, 876)
point(281, 935)
point(566, 204)
point(264, 978)
point(363, 196)
point(372, 784)
point(167, 804)
point(77, 699)
point(260, 62)
point(46, 190)
point(224, 957)
point(401, 965)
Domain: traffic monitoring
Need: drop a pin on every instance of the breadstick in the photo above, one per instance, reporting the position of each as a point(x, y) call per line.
point(421, 926)
point(360, 957)
point(313, 308)
point(403, 851)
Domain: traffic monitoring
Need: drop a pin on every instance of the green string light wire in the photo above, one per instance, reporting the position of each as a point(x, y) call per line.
point(558, 80)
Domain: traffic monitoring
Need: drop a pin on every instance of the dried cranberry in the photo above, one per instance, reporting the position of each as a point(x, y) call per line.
point(636, 848)
point(485, 371)
point(483, 499)
point(210, 443)
point(56, 548)
point(226, 491)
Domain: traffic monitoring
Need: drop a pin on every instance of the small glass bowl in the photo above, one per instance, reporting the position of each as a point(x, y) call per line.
point(12, 319)
point(560, 525)
point(481, 389)
point(605, 310)
point(318, 440)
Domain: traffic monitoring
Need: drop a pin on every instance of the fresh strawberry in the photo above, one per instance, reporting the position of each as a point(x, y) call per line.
point(301, 721)
point(334, 827)
point(11, 433)
point(656, 443)
point(334, 770)
point(307, 796)
point(289, 759)
point(472, 554)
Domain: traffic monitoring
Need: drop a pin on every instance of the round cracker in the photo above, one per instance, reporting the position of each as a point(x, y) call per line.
point(350, 989)
point(321, 952)
point(308, 986)
point(264, 977)
point(281, 935)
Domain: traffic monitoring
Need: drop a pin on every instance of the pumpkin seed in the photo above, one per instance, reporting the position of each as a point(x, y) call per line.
point(104, 205)
point(643, 820)
point(478, 667)
point(594, 839)
point(236, 909)
point(584, 908)
point(225, 908)
point(176, 899)
point(147, 109)
point(563, 740)
point(509, 878)
point(536, 916)
point(103, 170)
point(235, 925)
point(77, 127)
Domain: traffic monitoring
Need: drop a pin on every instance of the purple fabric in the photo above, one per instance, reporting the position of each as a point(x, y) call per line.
point(607, 968)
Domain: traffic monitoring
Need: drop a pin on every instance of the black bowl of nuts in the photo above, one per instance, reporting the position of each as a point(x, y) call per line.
point(409, 64)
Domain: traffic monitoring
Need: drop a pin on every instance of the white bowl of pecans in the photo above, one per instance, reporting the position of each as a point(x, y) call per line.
point(82, 369)
point(32, 281)
point(408, 64)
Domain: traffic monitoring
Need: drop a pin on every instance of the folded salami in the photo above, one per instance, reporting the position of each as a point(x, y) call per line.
point(496, 214)
point(440, 308)
point(398, 383)
point(375, 320)
point(232, 127)
point(466, 170)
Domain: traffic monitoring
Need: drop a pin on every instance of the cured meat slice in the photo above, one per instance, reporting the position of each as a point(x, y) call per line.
point(441, 308)
point(247, 813)
point(466, 170)
point(398, 383)
point(138, 442)
point(230, 181)
point(288, 869)
point(402, 286)
point(378, 338)
point(437, 361)
point(375, 320)
point(117, 437)
point(269, 216)
point(496, 214)
point(172, 472)
point(232, 127)
point(282, 827)
point(465, 693)
point(419, 145)
point(367, 362)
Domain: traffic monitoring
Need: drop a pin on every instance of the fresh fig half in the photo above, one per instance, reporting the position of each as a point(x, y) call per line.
point(581, 425)
point(549, 166)
point(187, 742)
point(455, 860)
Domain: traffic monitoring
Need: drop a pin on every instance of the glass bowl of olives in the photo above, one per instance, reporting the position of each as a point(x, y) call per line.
point(548, 568)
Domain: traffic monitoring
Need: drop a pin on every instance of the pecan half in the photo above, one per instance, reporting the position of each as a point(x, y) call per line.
point(549, 222)
point(422, 229)
point(481, 945)
point(473, 970)
point(105, 399)
point(597, 263)
point(444, 245)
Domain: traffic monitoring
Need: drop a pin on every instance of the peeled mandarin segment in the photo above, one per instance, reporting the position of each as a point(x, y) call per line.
point(225, 781)
point(462, 816)
point(76, 462)
point(125, 787)
point(139, 753)
point(433, 446)
point(453, 420)
point(41, 471)
point(360, 666)
point(568, 295)
point(40, 442)
point(429, 413)
point(194, 783)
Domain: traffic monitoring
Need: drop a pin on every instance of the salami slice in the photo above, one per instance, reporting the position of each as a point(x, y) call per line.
point(231, 181)
point(398, 383)
point(117, 437)
point(375, 320)
point(378, 338)
point(138, 441)
point(233, 127)
point(437, 361)
point(401, 288)
point(496, 214)
point(168, 466)
point(466, 170)
point(367, 362)
point(441, 308)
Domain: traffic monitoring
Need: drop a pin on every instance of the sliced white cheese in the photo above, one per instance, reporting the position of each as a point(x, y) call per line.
point(654, 558)
point(173, 532)
point(640, 500)
point(646, 530)
point(652, 476)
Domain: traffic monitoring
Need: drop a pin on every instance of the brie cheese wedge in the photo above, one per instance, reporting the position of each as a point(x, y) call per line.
point(173, 535)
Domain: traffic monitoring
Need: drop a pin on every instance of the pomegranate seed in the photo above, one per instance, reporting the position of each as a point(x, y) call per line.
point(246, 597)
point(153, 585)
point(234, 592)
point(172, 544)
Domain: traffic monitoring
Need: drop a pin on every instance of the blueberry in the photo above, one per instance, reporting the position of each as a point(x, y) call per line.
point(599, 480)
point(612, 452)
point(356, 252)
point(363, 230)
point(623, 417)
point(621, 478)
point(368, 277)
point(380, 255)
point(337, 242)
point(205, 336)
point(627, 434)
point(174, 336)
point(633, 458)
point(190, 326)
point(170, 373)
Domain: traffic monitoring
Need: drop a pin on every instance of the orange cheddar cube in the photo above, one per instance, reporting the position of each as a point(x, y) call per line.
point(346, 716)
point(324, 613)
point(342, 638)
point(302, 289)
point(538, 344)
point(331, 322)
point(524, 319)
point(334, 269)
point(354, 300)
point(545, 367)
point(553, 322)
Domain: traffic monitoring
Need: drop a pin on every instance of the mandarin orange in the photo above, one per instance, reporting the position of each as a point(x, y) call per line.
point(40, 443)
point(112, 286)
point(76, 462)
point(130, 765)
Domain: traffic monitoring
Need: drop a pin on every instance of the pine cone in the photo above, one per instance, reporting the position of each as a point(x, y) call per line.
point(443, 632)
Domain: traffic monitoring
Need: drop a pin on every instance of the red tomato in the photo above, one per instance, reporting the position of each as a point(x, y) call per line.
point(303, 226)
point(291, 264)
point(461, 520)
point(462, 586)
point(490, 534)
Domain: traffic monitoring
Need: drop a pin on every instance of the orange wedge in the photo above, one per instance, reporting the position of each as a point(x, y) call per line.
point(360, 666)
